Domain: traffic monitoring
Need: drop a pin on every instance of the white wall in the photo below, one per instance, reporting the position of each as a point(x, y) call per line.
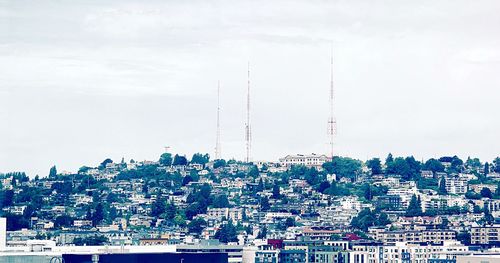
point(3, 233)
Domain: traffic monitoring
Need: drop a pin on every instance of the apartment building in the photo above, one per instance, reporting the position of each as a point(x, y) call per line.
point(486, 235)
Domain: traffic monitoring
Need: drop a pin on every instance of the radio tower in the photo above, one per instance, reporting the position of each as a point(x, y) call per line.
point(332, 122)
point(217, 139)
point(248, 129)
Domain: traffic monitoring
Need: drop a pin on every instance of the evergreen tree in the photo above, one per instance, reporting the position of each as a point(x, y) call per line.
point(486, 168)
point(158, 207)
point(165, 159)
point(262, 233)
point(415, 207)
point(276, 191)
point(53, 172)
point(264, 203)
point(442, 186)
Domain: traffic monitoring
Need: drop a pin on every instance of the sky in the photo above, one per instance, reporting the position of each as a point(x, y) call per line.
point(86, 80)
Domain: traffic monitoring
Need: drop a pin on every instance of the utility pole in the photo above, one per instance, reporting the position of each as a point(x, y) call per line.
point(248, 129)
point(332, 122)
point(217, 138)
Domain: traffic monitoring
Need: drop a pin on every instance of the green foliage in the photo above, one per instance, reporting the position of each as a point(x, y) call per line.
point(389, 159)
point(53, 172)
point(227, 233)
point(497, 165)
point(312, 176)
point(219, 163)
point(338, 190)
point(264, 204)
point(464, 237)
point(262, 233)
point(6, 198)
point(63, 221)
point(158, 207)
point(367, 218)
point(415, 207)
point(472, 195)
point(198, 201)
point(486, 168)
point(433, 165)
point(200, 158)
point(166, 159)
point(343, 167)
point(16, 222)
point(442, 187)
point(276, 191)
point(407, 167)
point(375, 165)
point(197, 225)
point(221, 201)
point(104, 163)
point(253, 171)
point(180, 160)
point(323, 186)
point(98, 215)
point(486, 192)
point(96, 240)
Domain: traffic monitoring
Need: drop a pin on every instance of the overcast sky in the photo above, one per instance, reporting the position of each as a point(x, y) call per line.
point(81, 81)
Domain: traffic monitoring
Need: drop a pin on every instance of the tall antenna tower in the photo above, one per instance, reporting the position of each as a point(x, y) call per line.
point(332, 121)
point(217, 139)
point(248, 129)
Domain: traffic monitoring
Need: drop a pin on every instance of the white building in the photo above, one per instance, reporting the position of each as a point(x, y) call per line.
point(311, 160)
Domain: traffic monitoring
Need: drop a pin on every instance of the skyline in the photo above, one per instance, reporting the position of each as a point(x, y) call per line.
point(108, 79)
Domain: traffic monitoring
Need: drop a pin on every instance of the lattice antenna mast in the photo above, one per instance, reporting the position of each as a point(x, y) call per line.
point(217, 139)
point(332, 122)
point(248, 129)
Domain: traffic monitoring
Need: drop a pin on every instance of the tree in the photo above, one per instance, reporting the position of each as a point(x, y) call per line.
point(264, 203)
point(389, 159)
point(253, 171)
point(170, 211)
point(343, 167)
point(98, 215)
point(415, 207)
point(219, 163)
point(63, 221)
point(227, 233)
point(6, 198)
point(375, 166)
point(221, 201)
point(260, 185)
point(368, 192)
point(367, 218)
point(158, 207)
point(105, 163)
point(199, 158)
point(486, 168)
point(262, 233)
point(486, 192)
point(197, 225)
point(53, 172)
point(488, 218)
point(464, 237)
point(442, 186)
point(186, 180)
point(323, 186)
point(289, 222)
point(276, 191)
point(180, 160)
point(433, 165)
point(497, 165)
point(166, 159)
